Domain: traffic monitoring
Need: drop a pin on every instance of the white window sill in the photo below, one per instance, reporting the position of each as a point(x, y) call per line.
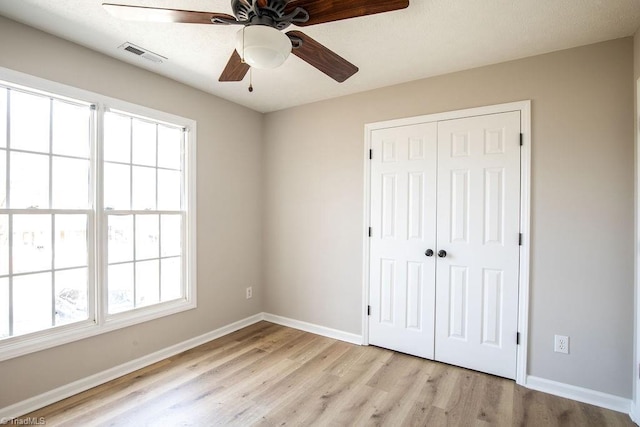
point(48, 338)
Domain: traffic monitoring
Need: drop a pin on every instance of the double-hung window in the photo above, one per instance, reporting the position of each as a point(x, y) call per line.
point(143, 172)
point(97, 215)
point(45, 212)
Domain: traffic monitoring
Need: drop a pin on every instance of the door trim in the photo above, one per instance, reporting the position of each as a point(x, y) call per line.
point(524, 107)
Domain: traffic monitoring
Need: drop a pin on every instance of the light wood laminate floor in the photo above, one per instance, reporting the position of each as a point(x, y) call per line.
point(270, 375)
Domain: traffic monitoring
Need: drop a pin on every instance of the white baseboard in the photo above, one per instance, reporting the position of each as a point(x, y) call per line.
point(55, 395)
point(584, 395)
point(634, 413)
point(314, 329)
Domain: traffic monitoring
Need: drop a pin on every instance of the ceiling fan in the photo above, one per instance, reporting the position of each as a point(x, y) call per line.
point(261, 42)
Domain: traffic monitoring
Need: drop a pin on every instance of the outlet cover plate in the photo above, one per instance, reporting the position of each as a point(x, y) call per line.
point(561, 344)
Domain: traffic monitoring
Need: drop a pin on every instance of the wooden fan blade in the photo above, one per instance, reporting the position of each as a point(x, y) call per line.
point(325, 60)
point(154, 14)
point(235, 69)
point(321, 11)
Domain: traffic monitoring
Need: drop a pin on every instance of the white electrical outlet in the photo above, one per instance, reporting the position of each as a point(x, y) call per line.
point(561, 344)
point(249, 292)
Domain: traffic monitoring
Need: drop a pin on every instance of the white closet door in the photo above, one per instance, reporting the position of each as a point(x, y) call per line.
point(478, 227)
point(403, 218)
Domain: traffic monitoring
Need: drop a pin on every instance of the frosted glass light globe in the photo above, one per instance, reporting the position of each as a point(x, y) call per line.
point(262, 46)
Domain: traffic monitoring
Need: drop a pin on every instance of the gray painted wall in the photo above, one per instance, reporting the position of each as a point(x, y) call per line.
point(582, 203)
point(228, 216)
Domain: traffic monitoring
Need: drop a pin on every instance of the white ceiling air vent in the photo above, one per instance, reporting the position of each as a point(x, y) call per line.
point(143, 53)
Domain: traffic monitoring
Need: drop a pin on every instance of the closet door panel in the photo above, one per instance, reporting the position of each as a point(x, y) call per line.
point(478, 228)
point(403, 218)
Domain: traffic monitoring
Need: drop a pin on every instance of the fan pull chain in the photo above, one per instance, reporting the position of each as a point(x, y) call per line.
point(242, 56)
point(243, 61)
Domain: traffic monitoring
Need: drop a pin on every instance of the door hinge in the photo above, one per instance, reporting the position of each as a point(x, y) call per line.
point(370, 154)
point(521, 139)
point(368, 310)
point(517, 338)
point(520, 239)
point(370, 231)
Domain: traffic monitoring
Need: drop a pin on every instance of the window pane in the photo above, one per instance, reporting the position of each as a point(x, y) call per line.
point(3, 179)
point(117, 138)
point(169, 147)
point(147, 231)
point(144, 188)
point(4, 245)
point(170, 233)
point(120, 238)
point(29, 182)
point(70, 183)
point(48, 240)
point(31, 243)
point(144, 143)
point(70, 241)
point(120, 288)
point(168, 190)
point(71, 296)
point(29, 122)
point(116, 186)
point(4, 308)
point(70, 129)
point(170, 279)
point(3, 117)
point(147, 286)
point(32, 303)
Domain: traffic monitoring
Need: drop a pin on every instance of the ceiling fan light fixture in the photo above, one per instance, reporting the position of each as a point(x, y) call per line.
point(262, 46)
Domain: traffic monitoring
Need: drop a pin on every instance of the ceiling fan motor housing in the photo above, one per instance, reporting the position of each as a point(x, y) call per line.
point(267, 12)
point(244, 10)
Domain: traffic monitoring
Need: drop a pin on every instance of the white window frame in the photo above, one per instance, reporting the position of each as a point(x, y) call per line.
point(99, 321)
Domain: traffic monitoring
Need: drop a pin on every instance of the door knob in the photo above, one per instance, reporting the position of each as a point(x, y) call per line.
point(442, 253)
point(429, 252)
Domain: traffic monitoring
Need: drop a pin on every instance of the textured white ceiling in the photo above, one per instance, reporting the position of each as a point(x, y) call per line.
point(429, 38)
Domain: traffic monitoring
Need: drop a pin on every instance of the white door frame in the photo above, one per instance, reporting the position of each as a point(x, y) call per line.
point(524, 107)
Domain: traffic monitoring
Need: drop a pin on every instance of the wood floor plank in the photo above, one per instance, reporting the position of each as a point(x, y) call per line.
point(423, 414)
point(403, 392)
point(363, 369)
point(153, 402)
point(298, 380)
point(362, 403)
point(387, 376)
point(464, 402)
point(441, 385)
point(267, 375)
point(496, 401)
point(303, 409)
point(96, 397)
point(186, 397)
